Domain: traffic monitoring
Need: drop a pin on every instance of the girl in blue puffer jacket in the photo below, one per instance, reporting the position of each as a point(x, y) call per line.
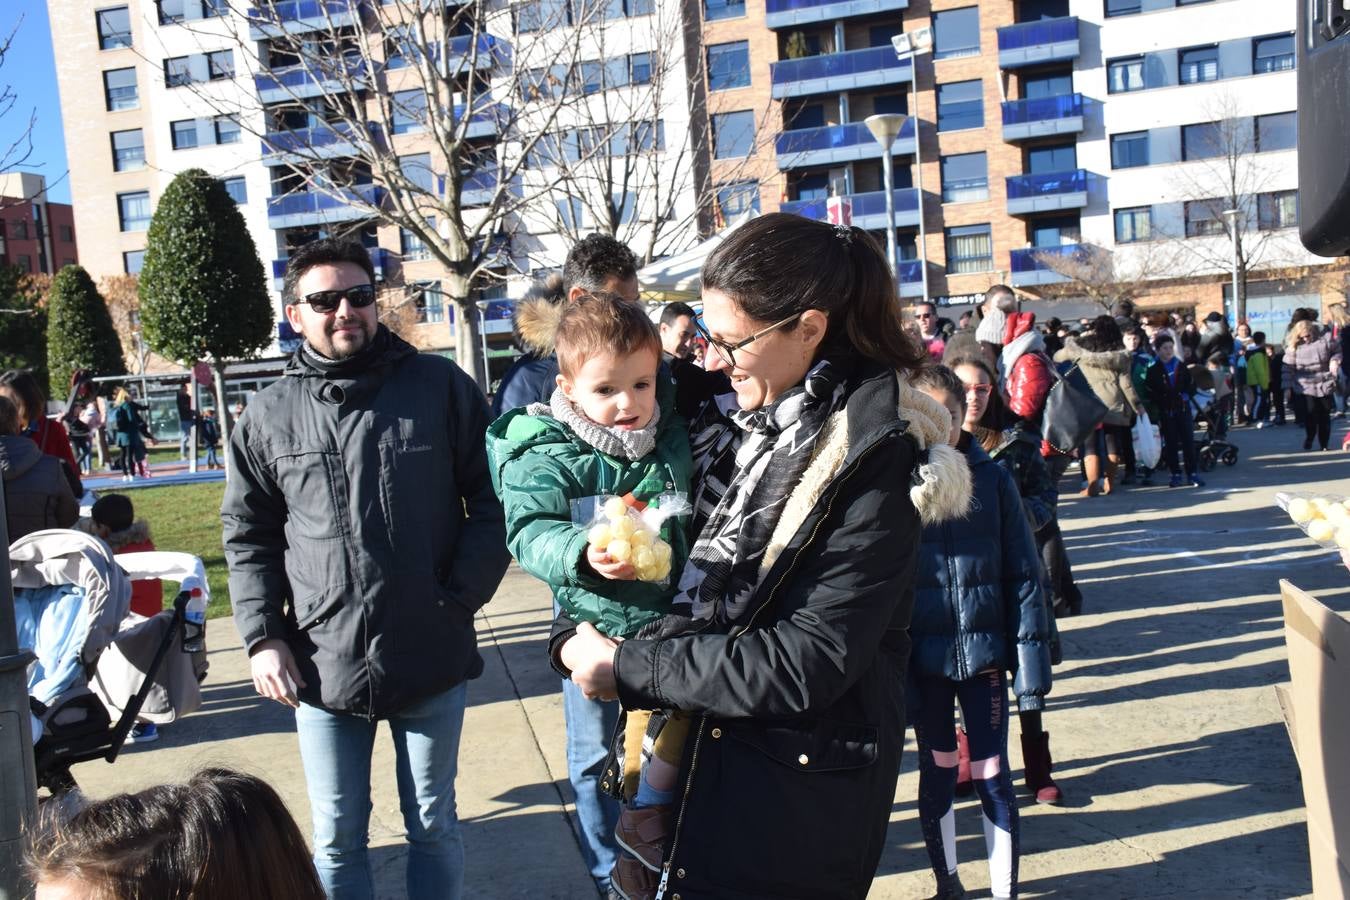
point(979, 614)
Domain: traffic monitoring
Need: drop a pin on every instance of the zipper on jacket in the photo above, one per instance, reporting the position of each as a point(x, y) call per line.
point(698, 738)
point(961, 674)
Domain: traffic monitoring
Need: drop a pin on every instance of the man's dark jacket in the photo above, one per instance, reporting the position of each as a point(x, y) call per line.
point(361, 526)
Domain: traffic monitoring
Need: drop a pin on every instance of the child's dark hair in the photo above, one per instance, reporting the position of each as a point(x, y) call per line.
point(1161, 339)
point(1259, 337)
point(114, 511)
point(222, 836)
point(941, 378)
point(597, 323)
point(9, 417)
point(780, 265)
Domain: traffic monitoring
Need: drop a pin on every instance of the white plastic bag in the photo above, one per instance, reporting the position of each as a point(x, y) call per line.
point(631, 536)
point(1147, 442)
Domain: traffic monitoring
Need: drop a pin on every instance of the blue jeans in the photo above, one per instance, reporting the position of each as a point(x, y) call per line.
point(590, 726)
point(336, 748)
point(185, 438)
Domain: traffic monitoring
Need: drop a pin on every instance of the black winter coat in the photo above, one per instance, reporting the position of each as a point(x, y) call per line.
point(979, 602)
point(1171, 394)
point(790, 768)
point(361, 526)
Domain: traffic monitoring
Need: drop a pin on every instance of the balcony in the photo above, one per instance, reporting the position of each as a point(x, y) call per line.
point(1042, 117)
point(320, 142)
point(486, 122)
point(1049, 192)
point(868, 210)
point(484, 51)
point(303, 208)
point(837, 72)
point(786, 13)
point(278, 272)
point(300, 16)
point(310, 80)
point(911, 278)
point(1029, 268)
point(835, 144)
point(1034, 43)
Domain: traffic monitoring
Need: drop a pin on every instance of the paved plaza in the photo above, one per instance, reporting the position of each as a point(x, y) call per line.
point(1167, 736)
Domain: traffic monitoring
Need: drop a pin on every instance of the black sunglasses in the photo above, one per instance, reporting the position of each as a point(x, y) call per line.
point(362, 295)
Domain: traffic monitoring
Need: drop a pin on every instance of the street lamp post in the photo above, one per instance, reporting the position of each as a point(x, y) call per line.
point(885, 127)
point(910, 46)
point(1234, 216)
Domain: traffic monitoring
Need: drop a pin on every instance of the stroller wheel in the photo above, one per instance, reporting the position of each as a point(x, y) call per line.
point(1230, 456)
point(1207, 461)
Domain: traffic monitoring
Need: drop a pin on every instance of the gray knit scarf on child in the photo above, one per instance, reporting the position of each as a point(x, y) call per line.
point(630, 445)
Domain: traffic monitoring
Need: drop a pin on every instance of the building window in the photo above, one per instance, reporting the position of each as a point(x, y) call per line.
point(65, 234)
point(888, 103)
point(1202, 218)
point(128, 149)
point(114, 28)
point(1130, 150)
point(729, 66)
point(734, 200)
point(1276, 132)
point(170, 11)
point(25, 262)
point(1036, 86)
point(1134, 224)
point(640, 68)
point(237, 189)
point(227, 130)
point(119, 90)
point(215, 9)
point(1202, 141)
point(569, 213)
point(408, 111)
point(1125, 75)
point(1049, 160)
point(956, 32)
point(1273, 54)
point(723, 9)
point(1276, 210)
point(429, 302)
point(1198, 64)
point(220, 65)
point(412, 247)
point(177, 71)
point(969, 249)
point(965, 176)
point(183, 134)
point(21, 229)
point(416, 167)
point(133, 211)
point(1122, 7)
point(647, 138)
point(733, 134)
point(626, 204)
point(1056, 232)
point(960, 105)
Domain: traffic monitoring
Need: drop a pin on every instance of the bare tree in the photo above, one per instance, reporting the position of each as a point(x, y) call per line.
point(1105, 276)
point(16, 141)
point(1223, 174)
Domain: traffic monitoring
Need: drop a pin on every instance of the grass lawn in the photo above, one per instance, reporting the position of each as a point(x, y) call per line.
point(186, 518)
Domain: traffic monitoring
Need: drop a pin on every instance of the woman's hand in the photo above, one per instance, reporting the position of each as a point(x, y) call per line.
point(607, 568)
point(589, 656)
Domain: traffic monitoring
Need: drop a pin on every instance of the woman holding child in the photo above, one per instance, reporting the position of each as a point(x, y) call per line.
point(787, 645)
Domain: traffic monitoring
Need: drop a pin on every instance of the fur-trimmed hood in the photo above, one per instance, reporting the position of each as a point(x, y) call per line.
point(537, 315)
point(138, 533)
point(1111, 360)
point(942, 482)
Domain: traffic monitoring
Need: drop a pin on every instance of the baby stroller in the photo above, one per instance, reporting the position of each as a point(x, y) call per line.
point(71, 598)
point(1210, 449)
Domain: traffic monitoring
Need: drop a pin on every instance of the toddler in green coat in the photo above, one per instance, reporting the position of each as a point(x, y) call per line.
point(609, 429)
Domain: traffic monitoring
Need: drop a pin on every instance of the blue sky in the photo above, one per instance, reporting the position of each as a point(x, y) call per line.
point(31, 72)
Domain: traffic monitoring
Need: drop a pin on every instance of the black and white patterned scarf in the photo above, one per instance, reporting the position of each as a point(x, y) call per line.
point(746, 465)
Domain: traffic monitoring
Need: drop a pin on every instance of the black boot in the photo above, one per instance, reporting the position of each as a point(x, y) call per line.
point(949, 887)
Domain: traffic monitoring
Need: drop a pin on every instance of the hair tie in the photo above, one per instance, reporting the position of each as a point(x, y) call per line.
point(844, 233)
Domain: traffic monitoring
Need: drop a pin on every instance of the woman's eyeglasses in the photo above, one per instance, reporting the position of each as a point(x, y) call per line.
point(325, 302)
point(979, 390)
point(727, 352)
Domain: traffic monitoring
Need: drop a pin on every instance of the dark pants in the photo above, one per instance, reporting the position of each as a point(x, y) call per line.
point(1277, 403)
point(1317, 419)
point(1299, 406)
point(1258, 404)
point(1178, 436)
point(1064, 593)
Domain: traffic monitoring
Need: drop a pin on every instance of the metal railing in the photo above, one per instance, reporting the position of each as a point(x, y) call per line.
point(1044, 31)
point(849, 134)
point(1047, 184)
point(303, 202)
point(831, 65)
point(1031, 259)
point(1040, 109)
point(295, 10)
point(872, 203)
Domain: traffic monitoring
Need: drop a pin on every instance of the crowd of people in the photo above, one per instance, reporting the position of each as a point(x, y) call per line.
point(827, 586)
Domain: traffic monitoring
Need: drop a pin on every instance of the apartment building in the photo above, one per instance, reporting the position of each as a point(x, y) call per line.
point(1036, 127)
point(266, 98)
point(36, 235)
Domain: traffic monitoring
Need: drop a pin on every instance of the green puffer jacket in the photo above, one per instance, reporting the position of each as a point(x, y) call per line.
point(539, 466)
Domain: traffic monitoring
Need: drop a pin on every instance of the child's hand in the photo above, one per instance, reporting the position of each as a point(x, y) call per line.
point(606, 568)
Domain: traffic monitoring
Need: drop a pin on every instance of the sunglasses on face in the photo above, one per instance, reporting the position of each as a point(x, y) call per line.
point(362, 295)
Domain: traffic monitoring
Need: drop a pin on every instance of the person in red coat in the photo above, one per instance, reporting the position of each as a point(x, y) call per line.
point(1027, 377)
point(21, 388)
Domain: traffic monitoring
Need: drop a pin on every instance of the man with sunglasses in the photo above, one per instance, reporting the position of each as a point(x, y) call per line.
point(929, 331)
point(362, 535)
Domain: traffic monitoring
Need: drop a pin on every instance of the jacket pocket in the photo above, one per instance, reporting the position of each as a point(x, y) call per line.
point(315, 507)
point(786, 810)
point(316, 609)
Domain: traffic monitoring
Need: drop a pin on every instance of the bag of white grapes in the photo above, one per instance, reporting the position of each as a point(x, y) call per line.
point(631, 534)
point(1324, 518)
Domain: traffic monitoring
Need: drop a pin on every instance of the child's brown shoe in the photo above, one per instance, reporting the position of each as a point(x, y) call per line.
point(643, 833)
point(631, 880)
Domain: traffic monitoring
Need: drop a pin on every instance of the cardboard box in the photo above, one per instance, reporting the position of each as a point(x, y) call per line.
point(1318, 719)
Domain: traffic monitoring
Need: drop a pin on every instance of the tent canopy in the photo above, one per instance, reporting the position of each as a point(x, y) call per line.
point(677, 277)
